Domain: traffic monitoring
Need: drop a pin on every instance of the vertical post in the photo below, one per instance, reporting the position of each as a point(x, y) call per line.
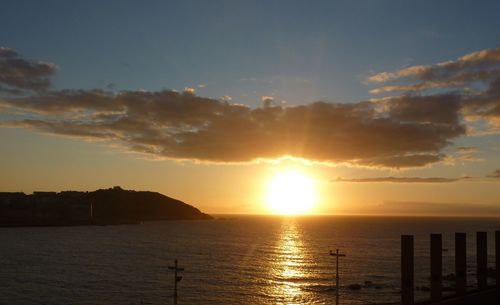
point(436, 267)
point(337, 280)
point(482, 260)
point(497, 258)
point(177, 278)
point(337, 277)
point(175, 282)
point(407, 270)
point(460, 263)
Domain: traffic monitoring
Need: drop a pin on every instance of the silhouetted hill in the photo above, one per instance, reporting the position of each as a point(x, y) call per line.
point(105, 206)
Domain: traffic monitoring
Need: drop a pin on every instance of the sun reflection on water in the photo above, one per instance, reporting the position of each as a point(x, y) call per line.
point(288, 269)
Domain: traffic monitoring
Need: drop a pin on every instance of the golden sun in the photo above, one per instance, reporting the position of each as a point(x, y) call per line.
point(291, 192)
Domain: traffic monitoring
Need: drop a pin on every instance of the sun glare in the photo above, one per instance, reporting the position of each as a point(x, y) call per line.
point(291, 192)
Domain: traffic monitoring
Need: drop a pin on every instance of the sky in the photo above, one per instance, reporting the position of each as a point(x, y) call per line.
point(390, 107)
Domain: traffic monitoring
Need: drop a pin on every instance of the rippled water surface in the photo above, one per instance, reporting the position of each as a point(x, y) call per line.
point(241, 260)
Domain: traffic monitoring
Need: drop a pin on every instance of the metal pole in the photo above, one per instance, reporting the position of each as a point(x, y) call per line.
point(337, 277)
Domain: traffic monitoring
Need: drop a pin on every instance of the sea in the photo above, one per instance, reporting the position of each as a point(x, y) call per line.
point(230, 260)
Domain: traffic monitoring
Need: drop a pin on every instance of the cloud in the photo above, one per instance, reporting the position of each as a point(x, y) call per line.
point(475, 78)
point(478, 66)
point(439, 108)
point(400, 161)
point(226, 98)
point(267, 101)
point(393, 132)
point(485, 104)
point(495, 174)
point(185, 126)
point(189, 90)
point(19, 75)
point(403, 179)
point(435, 208)
point(466, 149)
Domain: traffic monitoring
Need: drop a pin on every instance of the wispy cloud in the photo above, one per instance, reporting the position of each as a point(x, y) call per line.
point(436, 209)
point(477, 66)
point(466, 149)
point(403, 179)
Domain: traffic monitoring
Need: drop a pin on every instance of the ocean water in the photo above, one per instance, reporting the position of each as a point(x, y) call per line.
point(240, 260)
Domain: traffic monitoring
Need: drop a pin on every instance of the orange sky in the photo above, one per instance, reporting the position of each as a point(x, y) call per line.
point(230, 188)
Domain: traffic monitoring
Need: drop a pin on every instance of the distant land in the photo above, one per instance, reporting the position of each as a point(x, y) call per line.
point(101, 207)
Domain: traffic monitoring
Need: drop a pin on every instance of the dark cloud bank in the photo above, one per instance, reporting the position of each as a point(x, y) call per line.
point(396, 132)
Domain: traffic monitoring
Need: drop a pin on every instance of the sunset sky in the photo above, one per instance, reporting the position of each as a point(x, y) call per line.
point(388, 107)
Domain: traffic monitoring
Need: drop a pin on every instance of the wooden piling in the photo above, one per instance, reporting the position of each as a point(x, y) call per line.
point(436, 267)
point(482, 260)
point(460, 263)
point(497, 258)
point(407, 270)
